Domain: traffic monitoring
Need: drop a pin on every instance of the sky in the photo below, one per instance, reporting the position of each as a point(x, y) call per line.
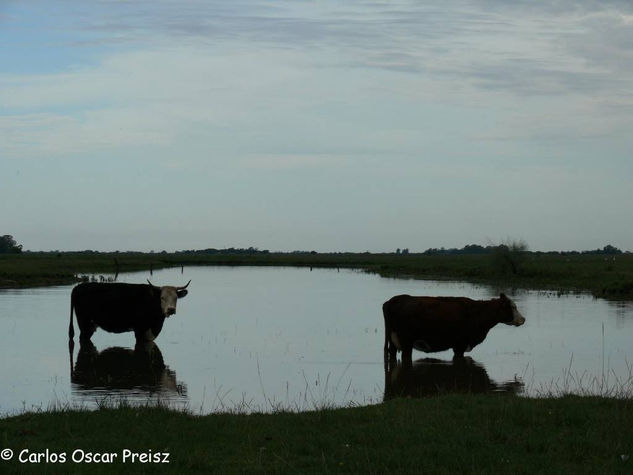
point(320, 125)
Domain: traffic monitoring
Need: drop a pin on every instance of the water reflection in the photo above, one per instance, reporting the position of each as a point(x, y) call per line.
point(430, 377)
point(137, 372)
point(275, 334)
point(623, 312)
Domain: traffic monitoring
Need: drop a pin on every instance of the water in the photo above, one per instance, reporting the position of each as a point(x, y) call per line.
point(258, 339)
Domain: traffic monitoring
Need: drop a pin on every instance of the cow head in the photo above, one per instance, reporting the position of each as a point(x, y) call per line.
point(515, 317)
point(169, 296)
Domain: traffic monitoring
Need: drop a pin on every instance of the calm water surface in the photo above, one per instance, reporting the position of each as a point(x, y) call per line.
point(256, 339)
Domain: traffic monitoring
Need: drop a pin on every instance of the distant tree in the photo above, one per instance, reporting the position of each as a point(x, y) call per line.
point(508, 258)
point(474, 249)
point(468, 249)
point(8, 245)
point(609, 249)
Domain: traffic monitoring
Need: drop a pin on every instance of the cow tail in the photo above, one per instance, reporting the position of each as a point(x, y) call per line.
point(387, 330)
point(71, 328)
point(71, 334)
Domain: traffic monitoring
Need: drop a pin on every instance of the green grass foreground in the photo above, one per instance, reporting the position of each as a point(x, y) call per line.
point(603, 276)
point(448, 434)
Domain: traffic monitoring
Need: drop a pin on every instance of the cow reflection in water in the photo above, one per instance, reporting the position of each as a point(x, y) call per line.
point(430, 377)
point(119, 368)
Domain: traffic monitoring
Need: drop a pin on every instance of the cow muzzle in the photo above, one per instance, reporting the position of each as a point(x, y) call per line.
point(517, 319)
point(170, 311)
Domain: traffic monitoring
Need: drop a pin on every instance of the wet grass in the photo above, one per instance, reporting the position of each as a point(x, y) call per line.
point(448, 434)
point(603, 276)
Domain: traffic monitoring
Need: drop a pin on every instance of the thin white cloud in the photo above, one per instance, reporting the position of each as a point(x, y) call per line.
point(288, 161)
point(520, 46)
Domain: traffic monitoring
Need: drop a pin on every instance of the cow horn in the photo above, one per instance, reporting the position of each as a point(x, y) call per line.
point(183, 288)
point(150, 284)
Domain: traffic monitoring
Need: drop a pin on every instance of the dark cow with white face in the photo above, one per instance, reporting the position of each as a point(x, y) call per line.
point(432, 324)
point(119, 308)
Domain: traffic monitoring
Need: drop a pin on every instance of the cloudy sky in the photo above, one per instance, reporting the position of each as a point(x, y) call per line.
point(321, 125)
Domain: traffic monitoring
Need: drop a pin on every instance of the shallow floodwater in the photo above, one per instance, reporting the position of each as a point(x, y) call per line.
point(258, 339)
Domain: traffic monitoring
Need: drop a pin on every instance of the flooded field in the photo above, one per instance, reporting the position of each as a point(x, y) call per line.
point(259, 339)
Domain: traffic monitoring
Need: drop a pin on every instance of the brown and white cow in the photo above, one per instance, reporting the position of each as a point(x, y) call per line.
point(432, 324)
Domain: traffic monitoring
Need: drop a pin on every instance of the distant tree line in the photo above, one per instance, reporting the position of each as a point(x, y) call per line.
point(467, 249)
point(227, 251)
point(477, 249)
point(8, 245)
point(608, 249)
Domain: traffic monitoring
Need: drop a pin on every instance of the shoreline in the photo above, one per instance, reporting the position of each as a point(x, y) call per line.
point(604, 277)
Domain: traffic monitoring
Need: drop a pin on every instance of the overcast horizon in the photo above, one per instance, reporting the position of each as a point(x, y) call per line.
point(329, 126)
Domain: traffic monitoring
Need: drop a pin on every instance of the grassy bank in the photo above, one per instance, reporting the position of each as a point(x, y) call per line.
point(600, 275)
point(449, 434)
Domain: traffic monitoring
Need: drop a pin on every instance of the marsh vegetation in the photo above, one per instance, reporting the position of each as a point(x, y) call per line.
point(501, 434)
point(600, 273)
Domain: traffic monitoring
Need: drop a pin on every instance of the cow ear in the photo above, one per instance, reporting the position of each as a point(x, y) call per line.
point(181, 293)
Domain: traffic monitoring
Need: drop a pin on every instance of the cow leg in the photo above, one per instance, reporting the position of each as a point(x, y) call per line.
point(458, 352)
point(71, 350)
point(144, 335)
point(156, 327)
point(390, 349)
point(149, 334)
point(87, 328)
point(393, 353)
point(388, 343)
point(407, 352)
point(391, 357)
